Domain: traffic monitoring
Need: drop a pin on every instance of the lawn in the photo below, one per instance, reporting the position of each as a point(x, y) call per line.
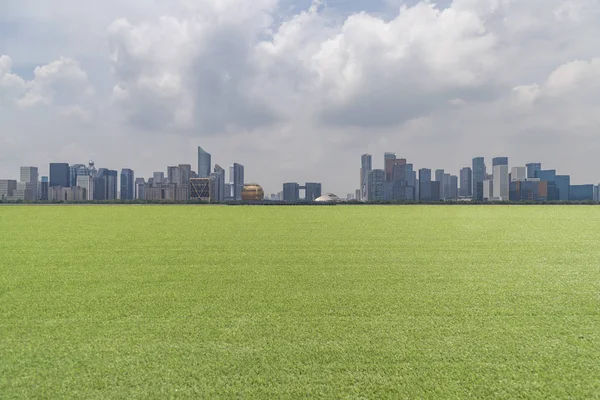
point(293, 302)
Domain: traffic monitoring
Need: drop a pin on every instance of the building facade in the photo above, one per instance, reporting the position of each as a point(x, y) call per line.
point(291, 192)
point(479, 174)
point(60, 175)
point(127, 184)
point(466, 182)
point(366, 166)
point(204, 163)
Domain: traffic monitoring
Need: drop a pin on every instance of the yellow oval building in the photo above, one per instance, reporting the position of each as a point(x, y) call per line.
point(253, 192)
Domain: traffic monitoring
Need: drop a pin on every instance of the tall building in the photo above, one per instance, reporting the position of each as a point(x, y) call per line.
point(220, 195)
point(201, 189)
point(499, 161)
point(127, 184)
point(425, 192)
point(158, 178)
point(390, 163)
point(312, 191)
point(453, 187)
point(466, 182)
point(236, 176)
point(402, 185)
point(172, 175)
point(366, 166)
point(501, 183)
point(518, 174)
point(140, 189)
point(479, 174)
point(563, 183)
point(291, 192)
point(376, 185)
point(185, 174)
point(204, 163)
point(7, 188)
point(101, 185)
point(488, 190)
point(44, 188)
point(112, 185)
point(77, 170)
point(532, 169)
point(439, 177)
point(86, 182)
point(29, 175)
point(60, 175)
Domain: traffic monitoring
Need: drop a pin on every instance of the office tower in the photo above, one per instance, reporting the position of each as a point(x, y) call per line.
point(390, 163)
point(77, 170)
point(7, 188)
point(529, 190)
point(44, 186)
point(216, 187)
point(29, 175)
point(291, 192)
point(140, 189)
point(597, 193)
point(59, 175)
point(439, 177)
point(402, 185)
point(112, 185)
point(563, 183)
point(453, 187)
point(499, 161)
point(358, 194)
point(366, 166)
point(236, 176)
point(425, 193)
point(127, 184)
point(447, 186)
point(532, 169)
point(479, 174)
point(466, 182)
point(200, 189)
point(100, 184)
point(518, 174)
point(27, 187)
point(582, 192)
point(86, 182)
point(204, 163)
point(185, 174)
point(158, 178)
point(416, 186)
point(550, 177)
point(220, 196)
point(501, 183)
point(376, 185)
point(436, 189)
point(172, 175)
point(488, 190)
point(312, 191)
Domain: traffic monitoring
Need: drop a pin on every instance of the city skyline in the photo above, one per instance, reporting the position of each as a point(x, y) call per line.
point(275, 90)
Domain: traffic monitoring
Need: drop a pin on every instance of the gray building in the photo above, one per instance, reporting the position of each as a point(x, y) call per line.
point(439, 177)
point(366, 166)
point(425, 185)
point(221, 194)
point(44, 188)
point(499, 161)
point(236, 177)
point(60, 175)
point(140, 188)
point(77, 170)
point(312, 191)
point(158, 178)
point(7, 188)
point(582, 192)
point(204, 163)
point(466, 182)
point(127, 184)
point(29, 175)
point(563, 183)
point(479, 175)
point(453, 187)
point(172, 175)
point(291, 192)
point(532, 169)
point(377, 185)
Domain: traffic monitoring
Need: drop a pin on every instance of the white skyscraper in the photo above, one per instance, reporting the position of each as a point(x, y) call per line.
point(501, 183)
point(518, 174)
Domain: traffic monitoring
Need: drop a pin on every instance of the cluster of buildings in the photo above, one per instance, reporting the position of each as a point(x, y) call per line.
point(398, 181)
point(81, 182)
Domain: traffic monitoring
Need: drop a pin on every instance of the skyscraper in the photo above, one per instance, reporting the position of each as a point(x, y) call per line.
point(140, 189)
point(220, 196)
point(466, 182)
point(499, 161)
point(291, 192)
point(172, 175)
point(518, 174)
point(312, 191)
point(377, 185)
point(479, 174)
point(127, 184)
point(236, 176)
point(204, 163)
point(439, 177)
point(389, 166)
point(44, 188)
point(29, 175)
point(532, 169)
point(365, 169)
point(563, 183)
point(59, 175)
point(86, 182)
point(112, 185)
point(501, 183)
point(185, 174)
point(158, 178)
point(77, 170)
point(425, 193)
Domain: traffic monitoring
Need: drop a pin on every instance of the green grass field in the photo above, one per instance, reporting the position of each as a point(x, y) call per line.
point(293, 302)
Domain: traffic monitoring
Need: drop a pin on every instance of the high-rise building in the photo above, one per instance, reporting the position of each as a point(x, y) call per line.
point(7, 188)
point(376, 185)
point(127, 184)
point(499, 161)
point(402, 185)
point(532, 169)
point(425, 192)
point(60, 175)
point(488, 190)
point(77, 170)
point(439, 177)
point(201, 189)
point(236, 176)
point(158, 178)
point(220, 195)
point(563, 183)
point(29, 175)
point(101, 185)
point(479, 174)
point(44, 186)
point(366, 166)
point(140, 189)
point(550, 177)
point(185, 174)
point(447, 186)
point(358, 194)
point(501, 183)
point(453, 187)
point(518, 174)
point(291, 192)
point(86, 182)
point(112, 185)
point(312, 191)
point(466, 182)
point(204, 163)
point(172, 175)
point(390, 163)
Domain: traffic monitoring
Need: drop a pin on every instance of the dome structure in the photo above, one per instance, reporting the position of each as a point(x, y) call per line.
point(328, 198)
point(253, 192)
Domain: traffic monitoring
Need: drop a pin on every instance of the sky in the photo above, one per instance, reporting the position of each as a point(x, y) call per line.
point(297, 90)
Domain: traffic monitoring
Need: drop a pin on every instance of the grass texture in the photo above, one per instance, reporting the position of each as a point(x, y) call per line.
point(299, 302)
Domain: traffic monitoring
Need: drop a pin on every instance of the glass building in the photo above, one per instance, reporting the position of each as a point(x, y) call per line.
point(127, 184)
point(60, 175)
point(204, 163)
